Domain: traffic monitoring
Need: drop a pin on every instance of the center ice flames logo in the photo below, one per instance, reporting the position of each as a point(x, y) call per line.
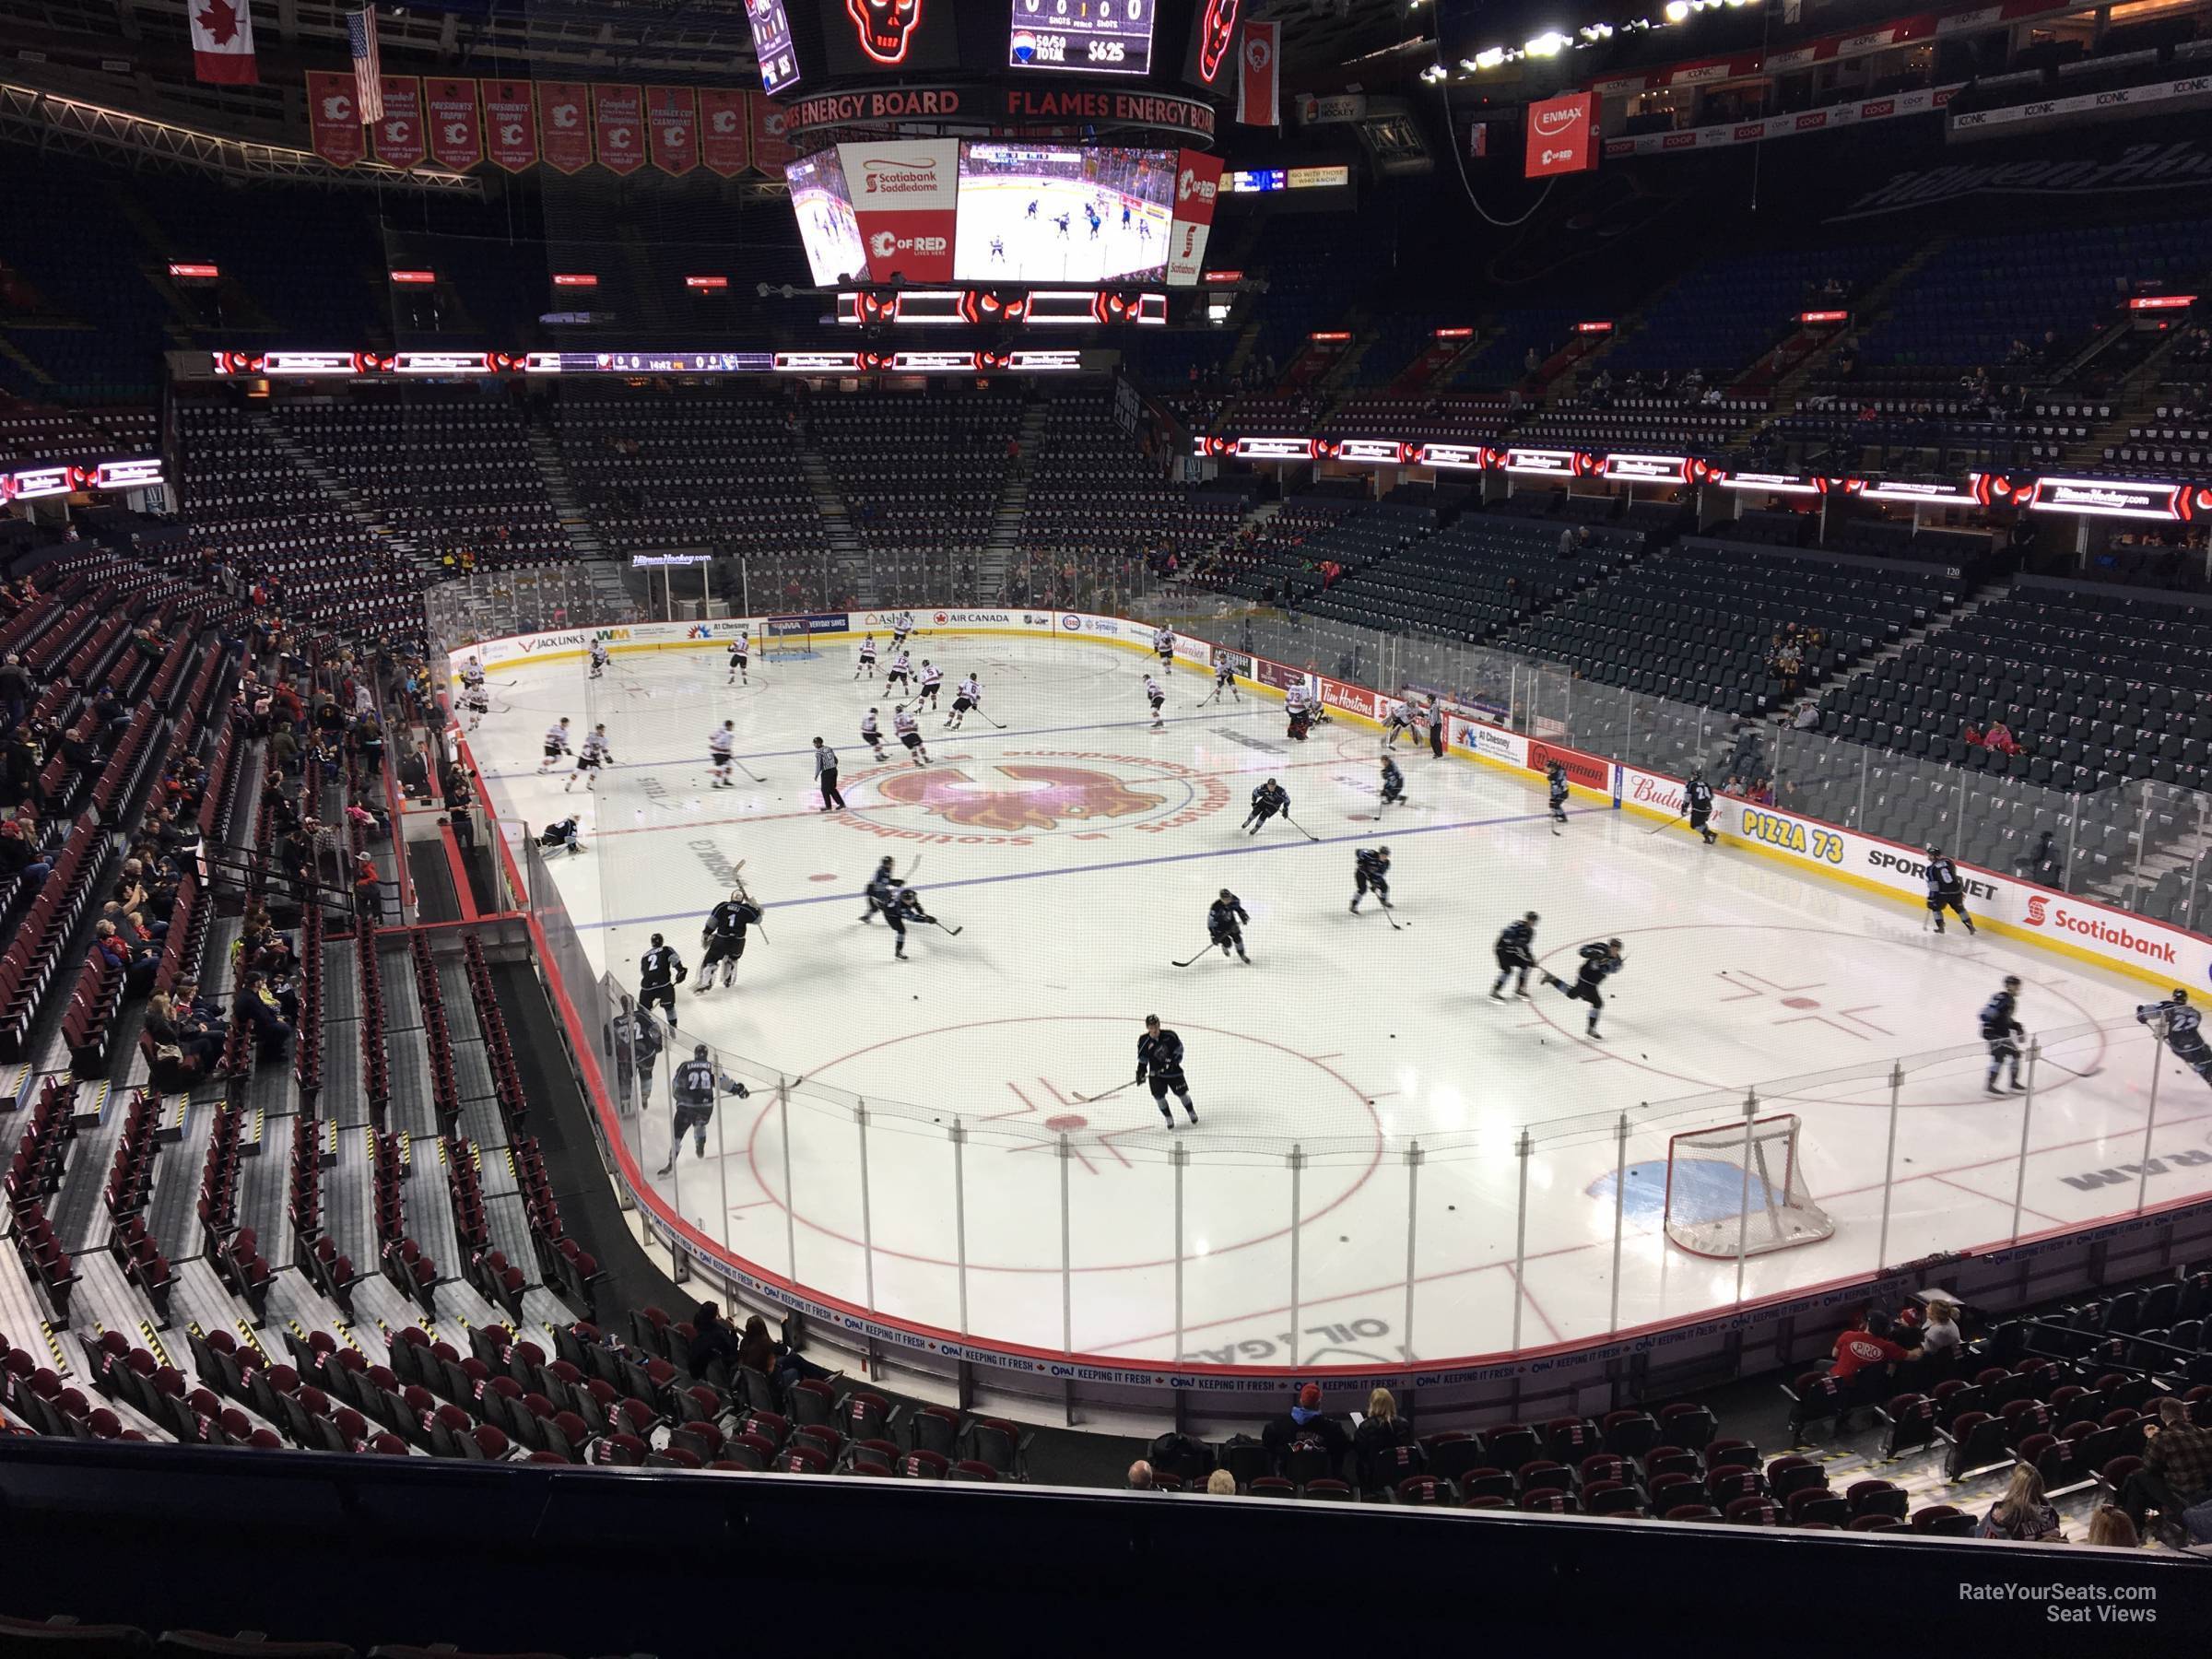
point(1044, 798)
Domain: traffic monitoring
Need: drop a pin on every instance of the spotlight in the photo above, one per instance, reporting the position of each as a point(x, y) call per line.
point(1677, 10)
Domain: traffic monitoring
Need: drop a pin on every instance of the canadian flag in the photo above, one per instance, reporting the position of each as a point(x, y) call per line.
point(222, 42)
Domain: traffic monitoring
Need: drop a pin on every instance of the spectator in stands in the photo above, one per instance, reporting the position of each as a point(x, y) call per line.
point(20, 760)
point(1306, 1422)
point(2177, 1467)
point(20, 855)
point(284, 752)
point(1940, 1339)
point(368, 889)
point(1378, 1432)
point(2023, 1514)
point(712, 1339)
point(1972, 736)
point(1999, 739)
point(779, 1359)
point(1139, 1477)
point(1221, 1483)
point(1861, 1366)
point(255, 1009)
point(2110, 1528)
point(16, 689)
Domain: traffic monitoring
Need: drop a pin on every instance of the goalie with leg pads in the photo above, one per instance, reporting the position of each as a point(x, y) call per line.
point(722, 936)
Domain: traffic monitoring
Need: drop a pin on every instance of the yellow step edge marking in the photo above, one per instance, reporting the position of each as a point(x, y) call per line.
point(252, 1341)
point(53, 1346)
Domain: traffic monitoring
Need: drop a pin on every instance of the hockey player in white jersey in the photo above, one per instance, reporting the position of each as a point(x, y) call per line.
point(871, 734)
point(556, 744)
point(968, 695)
point(599, 658)
point(910, 732)
point(594, 755)
point(721, 743)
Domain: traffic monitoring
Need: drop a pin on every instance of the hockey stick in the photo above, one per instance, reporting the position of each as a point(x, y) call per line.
point(1395, 925)
point(978, 709)
point(2046, 1059)
point(1094, 1099)
point(1299, 828)
point(1668, 824)
point(955, 931)
point(1195, 956)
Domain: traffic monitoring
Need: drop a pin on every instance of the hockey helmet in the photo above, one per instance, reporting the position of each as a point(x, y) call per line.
point(1935, 850)
point(1612, 945)
point(1231, 896)
point(2180, 996)
point(700, 1052)
point(656, 941)
point(1532, 917)
point(2012, 981)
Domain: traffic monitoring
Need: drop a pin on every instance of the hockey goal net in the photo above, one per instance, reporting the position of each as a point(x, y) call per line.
point(786, 639)
point(1731, 1188)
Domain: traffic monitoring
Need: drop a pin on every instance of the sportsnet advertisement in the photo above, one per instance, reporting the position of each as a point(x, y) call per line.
point(1197, 184)
point(905, 198)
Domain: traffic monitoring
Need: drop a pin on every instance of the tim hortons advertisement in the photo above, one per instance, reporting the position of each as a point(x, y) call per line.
point(1197, 183)
point(904, 196)
point(1352, 700)
point(1562, 134)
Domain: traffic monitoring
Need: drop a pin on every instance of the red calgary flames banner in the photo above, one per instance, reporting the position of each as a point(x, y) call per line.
point(398, 136)
point(723, 126)
point(456, 133)
point(672, 128)
point(567, 126)
point(619, 123)
point(332, 118)
point(511, 125)
point(564, 125)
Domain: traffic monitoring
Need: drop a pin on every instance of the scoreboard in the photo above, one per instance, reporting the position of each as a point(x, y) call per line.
point(1082, 37)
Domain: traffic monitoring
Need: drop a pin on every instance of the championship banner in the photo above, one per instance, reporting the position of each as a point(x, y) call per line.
point(399, 135)
point(903, 199)
point(618, 125)
point(672, 129)
point(1197, 184)
point(723, 120)
point(772, 143)
point(510, 125)
point(456, 131)
point(564, 128)
point(334, 124)
point(1259, 76)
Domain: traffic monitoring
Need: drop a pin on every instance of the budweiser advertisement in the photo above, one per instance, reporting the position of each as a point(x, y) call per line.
point(1562, 134)
point(333, 120)
point(905, 199)
point(456, 132)
point(1197, 183)
point(510, 125)
point(721, 130)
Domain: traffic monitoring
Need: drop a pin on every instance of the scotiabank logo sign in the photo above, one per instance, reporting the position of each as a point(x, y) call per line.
point(904, 196)
point(1562, 134)
point(2045, 910)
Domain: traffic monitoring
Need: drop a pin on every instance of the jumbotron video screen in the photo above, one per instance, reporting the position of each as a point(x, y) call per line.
point(1054, 213)
point(823, 204)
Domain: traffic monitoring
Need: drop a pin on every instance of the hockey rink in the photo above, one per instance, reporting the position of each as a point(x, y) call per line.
point(1011, 229)
point(1077, 850)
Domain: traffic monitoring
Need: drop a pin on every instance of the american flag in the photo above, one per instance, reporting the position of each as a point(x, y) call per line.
point(367, 71)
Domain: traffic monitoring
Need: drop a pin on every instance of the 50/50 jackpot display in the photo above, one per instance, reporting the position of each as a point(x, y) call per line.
point(1085, 37)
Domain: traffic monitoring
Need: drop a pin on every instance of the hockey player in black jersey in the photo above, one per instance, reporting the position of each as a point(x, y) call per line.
point(1599, 962)
point(1947, 889)
point(905, 908)
point(659, 971)
point(881, 889)
point(1516, 954)
point(1160, 1061)
point(1370, 874)
point(694, 1084)
point(1393, 783)
point(1224, 924)
point(1267, 800)
point(1696, 802)
point(2001, 1028)
point(724, 936)
point(2176, 1022)
point(1556, 775)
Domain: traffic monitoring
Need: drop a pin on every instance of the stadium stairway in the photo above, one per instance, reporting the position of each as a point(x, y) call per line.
point(1988, 592)
point(1868, 308)
point(337, 491)
point(845, 544)
point(560, 488)
point(1004, 540)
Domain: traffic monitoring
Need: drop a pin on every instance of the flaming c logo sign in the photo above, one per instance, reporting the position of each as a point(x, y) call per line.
point(1040, 797)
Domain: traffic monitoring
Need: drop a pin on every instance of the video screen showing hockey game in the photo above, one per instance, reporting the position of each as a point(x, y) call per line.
point(823, 203)
point(1057, 213)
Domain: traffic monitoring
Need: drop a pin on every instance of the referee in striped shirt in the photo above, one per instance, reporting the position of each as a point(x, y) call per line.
point(824, 774)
